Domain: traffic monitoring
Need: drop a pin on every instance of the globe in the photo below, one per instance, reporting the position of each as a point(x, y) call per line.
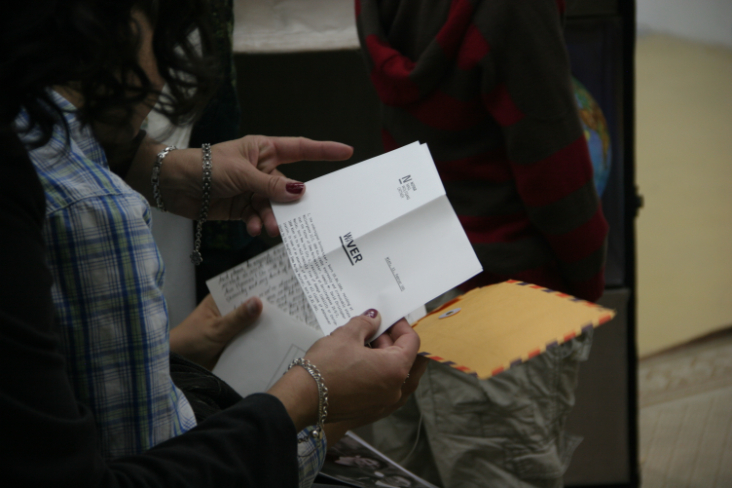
point(596, 132)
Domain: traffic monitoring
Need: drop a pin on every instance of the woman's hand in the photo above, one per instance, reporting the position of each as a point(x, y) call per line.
point(363, 383)
point(245, 177)
point(202, 336)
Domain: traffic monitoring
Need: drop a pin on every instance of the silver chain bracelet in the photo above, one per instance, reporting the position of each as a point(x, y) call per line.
point(156, 176)
point(318, 432)
point(196, 257)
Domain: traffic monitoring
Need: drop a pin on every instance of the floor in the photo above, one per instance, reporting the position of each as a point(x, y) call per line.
point(686, 415)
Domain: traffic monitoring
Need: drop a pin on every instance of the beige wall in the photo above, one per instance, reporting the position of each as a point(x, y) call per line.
point(684, 171)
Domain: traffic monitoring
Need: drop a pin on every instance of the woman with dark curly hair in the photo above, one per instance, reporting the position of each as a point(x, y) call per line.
point(77, 77)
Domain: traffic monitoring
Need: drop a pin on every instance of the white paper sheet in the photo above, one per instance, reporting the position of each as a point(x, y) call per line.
point(379, 234)
point(257, 357)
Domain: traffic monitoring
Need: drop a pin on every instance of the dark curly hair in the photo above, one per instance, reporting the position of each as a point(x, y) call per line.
point(92, 46)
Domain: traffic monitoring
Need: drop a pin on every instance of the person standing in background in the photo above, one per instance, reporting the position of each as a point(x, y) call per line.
point(486, 84)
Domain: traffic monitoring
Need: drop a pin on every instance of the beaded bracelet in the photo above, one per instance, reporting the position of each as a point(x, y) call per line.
point(196, 257)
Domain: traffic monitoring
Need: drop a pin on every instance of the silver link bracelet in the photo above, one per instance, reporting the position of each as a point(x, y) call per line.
point(318, 432)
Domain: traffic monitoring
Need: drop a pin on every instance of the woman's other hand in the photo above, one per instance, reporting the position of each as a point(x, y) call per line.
point(202, 336)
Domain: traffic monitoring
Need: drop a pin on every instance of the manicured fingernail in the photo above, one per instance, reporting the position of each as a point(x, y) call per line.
point(371, 313)
point(295, 188)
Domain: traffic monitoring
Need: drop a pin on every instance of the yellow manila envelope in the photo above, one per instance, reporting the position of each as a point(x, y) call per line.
point(490, 329)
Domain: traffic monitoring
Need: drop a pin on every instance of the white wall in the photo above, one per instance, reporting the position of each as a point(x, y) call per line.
point(174, 237)
point(707, 21)
point(268, 26)
point(683, 127)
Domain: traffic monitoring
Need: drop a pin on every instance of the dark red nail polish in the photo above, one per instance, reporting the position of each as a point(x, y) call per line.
point(371, 313)
point(295, 188)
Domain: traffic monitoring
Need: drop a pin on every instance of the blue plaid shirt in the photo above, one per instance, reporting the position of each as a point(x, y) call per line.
point(107, 292)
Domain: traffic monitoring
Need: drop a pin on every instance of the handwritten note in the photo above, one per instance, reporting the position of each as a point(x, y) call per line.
point(268, 276)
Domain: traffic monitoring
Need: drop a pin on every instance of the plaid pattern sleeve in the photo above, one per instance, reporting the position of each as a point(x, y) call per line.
point(107, 293)
point(310, 456)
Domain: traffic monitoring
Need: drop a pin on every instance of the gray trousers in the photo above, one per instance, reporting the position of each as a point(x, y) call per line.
point(508, 431)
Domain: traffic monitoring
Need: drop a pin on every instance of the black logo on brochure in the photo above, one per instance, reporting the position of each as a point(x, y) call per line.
point(351, 249)
point(406, 187)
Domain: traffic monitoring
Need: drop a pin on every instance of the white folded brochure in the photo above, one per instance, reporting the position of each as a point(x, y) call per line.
point(378, 234)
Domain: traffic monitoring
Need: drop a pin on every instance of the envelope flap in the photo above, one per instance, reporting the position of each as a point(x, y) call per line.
point(490, 329)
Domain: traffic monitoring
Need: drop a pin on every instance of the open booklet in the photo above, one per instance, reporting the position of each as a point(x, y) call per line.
point(379, 234)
